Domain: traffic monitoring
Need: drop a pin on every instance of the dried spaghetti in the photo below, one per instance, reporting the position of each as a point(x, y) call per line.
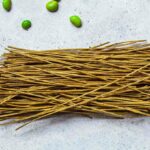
point(108, 79)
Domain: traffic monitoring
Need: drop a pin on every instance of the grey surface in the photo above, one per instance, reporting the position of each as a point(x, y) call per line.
point(103, 20)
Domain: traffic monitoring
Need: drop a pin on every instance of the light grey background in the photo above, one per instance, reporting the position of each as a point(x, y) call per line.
point(103, 20)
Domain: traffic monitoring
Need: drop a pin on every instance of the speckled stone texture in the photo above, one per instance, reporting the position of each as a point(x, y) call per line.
point(103, 20)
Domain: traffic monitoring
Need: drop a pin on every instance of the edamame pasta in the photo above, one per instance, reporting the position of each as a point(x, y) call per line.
point(108, 79)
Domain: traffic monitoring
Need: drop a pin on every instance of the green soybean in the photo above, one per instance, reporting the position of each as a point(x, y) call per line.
point(52, 6)
point(26, 24)
point(76, 21)
point(7, 4)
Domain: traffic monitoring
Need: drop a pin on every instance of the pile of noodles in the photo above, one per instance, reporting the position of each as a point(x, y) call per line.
point(108, 79)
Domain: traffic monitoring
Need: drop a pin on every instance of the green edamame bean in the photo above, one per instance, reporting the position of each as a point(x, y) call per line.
point(76, 21)
point(26, 24)
point(52, 6)
point(7, 5)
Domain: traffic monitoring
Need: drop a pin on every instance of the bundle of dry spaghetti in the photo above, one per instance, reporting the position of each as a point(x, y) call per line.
point(108, 79)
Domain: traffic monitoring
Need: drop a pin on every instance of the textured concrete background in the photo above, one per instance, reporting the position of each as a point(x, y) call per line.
point(104, 20)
